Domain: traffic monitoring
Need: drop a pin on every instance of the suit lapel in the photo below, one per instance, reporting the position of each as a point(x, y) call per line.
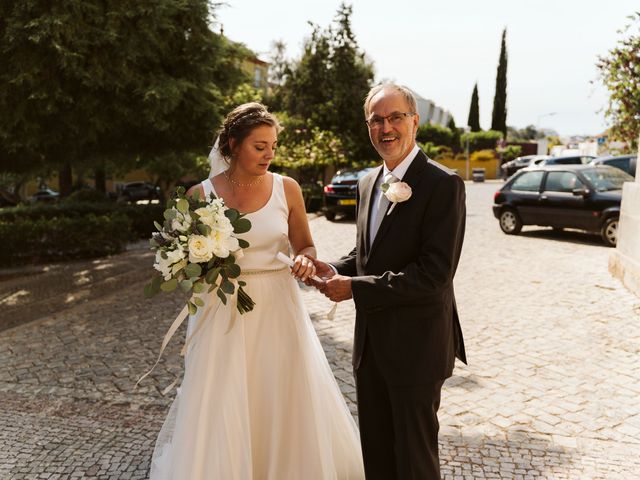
point(411, 178)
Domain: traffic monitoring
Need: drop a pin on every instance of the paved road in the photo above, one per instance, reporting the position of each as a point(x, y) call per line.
point(550, 391)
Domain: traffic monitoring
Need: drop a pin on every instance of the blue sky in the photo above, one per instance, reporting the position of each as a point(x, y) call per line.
point(440, 49)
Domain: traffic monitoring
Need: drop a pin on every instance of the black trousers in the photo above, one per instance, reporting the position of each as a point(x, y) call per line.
point(398, 425)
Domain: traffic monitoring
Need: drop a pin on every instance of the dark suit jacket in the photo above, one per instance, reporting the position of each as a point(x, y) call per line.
point(403, 284)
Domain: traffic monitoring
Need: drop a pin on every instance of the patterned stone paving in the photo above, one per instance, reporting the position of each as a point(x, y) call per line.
point(550, 391)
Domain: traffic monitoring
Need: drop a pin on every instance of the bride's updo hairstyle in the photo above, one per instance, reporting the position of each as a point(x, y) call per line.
point(239, 124)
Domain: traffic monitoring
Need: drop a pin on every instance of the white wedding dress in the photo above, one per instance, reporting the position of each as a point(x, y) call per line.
point(258, 400)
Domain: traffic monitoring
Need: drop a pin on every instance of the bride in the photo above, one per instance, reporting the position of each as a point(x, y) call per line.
point(258, 399)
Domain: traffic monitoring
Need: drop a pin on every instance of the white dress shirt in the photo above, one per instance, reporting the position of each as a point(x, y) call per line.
point(398, 173)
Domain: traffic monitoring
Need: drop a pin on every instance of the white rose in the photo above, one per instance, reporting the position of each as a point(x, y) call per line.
point(233, 244)
point(200, 249)
point(205, 214)
point(181, 222)
point(163, 265)
point(175, 255)
point(398, 192)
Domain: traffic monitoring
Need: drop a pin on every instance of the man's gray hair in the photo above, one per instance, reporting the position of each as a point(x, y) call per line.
point(404, 91)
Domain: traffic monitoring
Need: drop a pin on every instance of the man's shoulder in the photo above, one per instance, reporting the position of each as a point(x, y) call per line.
point(439, 170)
point(370, 176)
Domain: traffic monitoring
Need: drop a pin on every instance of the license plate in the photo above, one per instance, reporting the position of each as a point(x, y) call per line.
point(348, 201)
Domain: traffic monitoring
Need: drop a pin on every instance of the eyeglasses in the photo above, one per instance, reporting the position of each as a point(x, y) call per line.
point(376, 121)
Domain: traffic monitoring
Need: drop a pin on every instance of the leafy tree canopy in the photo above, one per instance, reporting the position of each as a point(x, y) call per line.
point(620, 73)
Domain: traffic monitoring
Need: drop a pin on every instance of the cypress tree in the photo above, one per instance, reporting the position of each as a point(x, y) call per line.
point(499, 116)
point(474, 111)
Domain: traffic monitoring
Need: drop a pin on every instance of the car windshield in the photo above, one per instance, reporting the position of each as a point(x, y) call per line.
point(350, 175)
point(607, 178)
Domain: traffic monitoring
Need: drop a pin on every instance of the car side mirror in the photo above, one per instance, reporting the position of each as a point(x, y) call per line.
point(580, 192)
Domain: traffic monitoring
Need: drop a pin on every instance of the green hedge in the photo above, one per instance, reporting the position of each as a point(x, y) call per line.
point(141, 216)
point(436, 135)
point(481, 140)
point(50, 239)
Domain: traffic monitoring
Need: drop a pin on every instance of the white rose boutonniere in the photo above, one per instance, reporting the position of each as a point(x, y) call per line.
point(396, 192)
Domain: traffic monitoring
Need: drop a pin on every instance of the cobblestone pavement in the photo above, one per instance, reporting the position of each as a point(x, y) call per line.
point(550, 391)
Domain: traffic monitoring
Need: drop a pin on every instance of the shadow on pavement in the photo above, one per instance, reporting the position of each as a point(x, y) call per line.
point(569, 236)
point(39, 291)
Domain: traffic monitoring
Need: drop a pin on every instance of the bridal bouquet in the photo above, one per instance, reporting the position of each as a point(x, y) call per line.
point(196, 250)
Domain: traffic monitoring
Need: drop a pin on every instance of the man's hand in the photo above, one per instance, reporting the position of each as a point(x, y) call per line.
point(337, 288)
point(323, 270)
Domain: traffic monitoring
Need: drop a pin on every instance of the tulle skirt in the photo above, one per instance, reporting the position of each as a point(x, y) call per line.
point(258, 400)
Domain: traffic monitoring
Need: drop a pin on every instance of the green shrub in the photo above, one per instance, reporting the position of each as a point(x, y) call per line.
point(141, 216)
point(481, 140)
point(312, 194)
point(86, 196)
point(436, 134)
point(444, 153)
point(509, 152)
point(38, 240)
point(482, 156)
point(47, 211)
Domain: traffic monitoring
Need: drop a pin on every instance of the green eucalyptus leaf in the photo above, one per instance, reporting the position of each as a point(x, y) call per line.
point(243, 243)
point(199, 287)
point(232, 214)
point(153, 287)
point(233, 271)
point(193, 270)
point(192, 308)
point(204, 229)
point(227, 287)
point(183, 205)
point(212, 275)
point(185, 285)
point(198, 301)
point(170, 214)
point(169, 285)
point(157, 225)
point(222, 296)
point(242, 225)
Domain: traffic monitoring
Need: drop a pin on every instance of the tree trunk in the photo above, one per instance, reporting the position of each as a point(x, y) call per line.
point(65, 181)
point(101, 179)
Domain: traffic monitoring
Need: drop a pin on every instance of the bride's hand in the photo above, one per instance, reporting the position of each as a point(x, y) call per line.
point(303, 268)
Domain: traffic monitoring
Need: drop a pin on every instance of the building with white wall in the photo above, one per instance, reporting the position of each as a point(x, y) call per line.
point(430, 112)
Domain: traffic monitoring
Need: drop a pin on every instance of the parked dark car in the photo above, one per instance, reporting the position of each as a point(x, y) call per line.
point(134, 191)
point(45, 195)
point(340, 194)
point(626, 163)
point(584, 197)
point(511, 167)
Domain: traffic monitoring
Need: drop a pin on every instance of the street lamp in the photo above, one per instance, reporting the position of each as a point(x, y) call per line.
point(467, 130)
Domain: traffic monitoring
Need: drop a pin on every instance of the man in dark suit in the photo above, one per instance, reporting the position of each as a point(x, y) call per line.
point(400, 275)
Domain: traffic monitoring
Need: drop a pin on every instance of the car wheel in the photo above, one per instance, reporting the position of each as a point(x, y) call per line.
point(510, 222)
point(331, 216)
point(609, 231)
